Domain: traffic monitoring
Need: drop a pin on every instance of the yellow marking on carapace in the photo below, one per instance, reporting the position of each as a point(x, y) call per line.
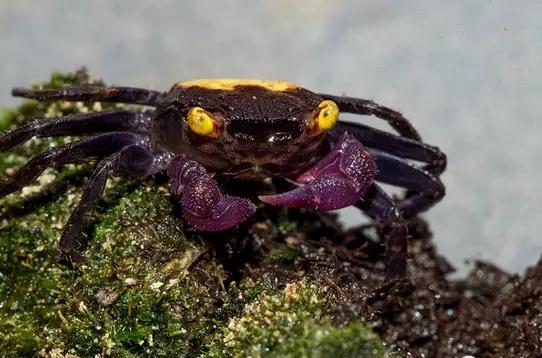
point(229, 84)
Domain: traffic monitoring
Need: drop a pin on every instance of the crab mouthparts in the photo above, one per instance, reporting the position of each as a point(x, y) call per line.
point(253, 170)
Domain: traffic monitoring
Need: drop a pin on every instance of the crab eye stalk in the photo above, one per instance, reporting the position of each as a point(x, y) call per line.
point(324, 117)
point(201, 122)
point(327, 115)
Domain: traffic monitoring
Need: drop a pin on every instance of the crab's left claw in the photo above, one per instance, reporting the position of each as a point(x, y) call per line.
point(339, 180)
point(204, 207)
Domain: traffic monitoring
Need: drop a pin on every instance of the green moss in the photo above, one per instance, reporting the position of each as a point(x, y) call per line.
point(146, 289)
point(135, 293)
point(286, 254)
point(294, 323)
point(7, 116)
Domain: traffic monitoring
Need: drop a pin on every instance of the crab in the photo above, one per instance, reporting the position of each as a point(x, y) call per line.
point(247, 129)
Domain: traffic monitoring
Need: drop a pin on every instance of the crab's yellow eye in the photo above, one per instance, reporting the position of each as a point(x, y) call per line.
point(201, 122)
point(328, 113)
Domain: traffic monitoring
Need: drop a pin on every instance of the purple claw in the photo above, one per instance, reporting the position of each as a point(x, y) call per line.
point(204, 207)
point(339, 180)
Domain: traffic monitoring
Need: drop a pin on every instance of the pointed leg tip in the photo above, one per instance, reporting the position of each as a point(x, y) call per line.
point(70, 258)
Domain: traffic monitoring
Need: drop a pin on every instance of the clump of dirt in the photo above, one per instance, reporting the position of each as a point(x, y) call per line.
point(488, 314)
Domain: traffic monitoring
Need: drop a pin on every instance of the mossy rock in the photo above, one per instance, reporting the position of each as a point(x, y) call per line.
point(149, 286)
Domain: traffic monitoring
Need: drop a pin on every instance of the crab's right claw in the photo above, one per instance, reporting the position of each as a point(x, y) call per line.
point(224, 213)
point(204, 207)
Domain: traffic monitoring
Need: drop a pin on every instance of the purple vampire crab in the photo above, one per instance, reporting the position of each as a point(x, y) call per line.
point(246, 129)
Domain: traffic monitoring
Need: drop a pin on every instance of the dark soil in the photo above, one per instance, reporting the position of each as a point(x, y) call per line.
point(489, 314)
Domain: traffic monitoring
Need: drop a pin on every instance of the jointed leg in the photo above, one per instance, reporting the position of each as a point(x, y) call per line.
point(366, 107)
point(130, 161)
point(204, 207)
point(77, 124)
point(426, 189)
point(92, 93)
point(378, 205)
point(96, 146)
point(393, 144)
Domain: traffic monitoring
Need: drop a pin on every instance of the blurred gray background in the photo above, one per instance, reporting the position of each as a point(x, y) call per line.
point(468, 73)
